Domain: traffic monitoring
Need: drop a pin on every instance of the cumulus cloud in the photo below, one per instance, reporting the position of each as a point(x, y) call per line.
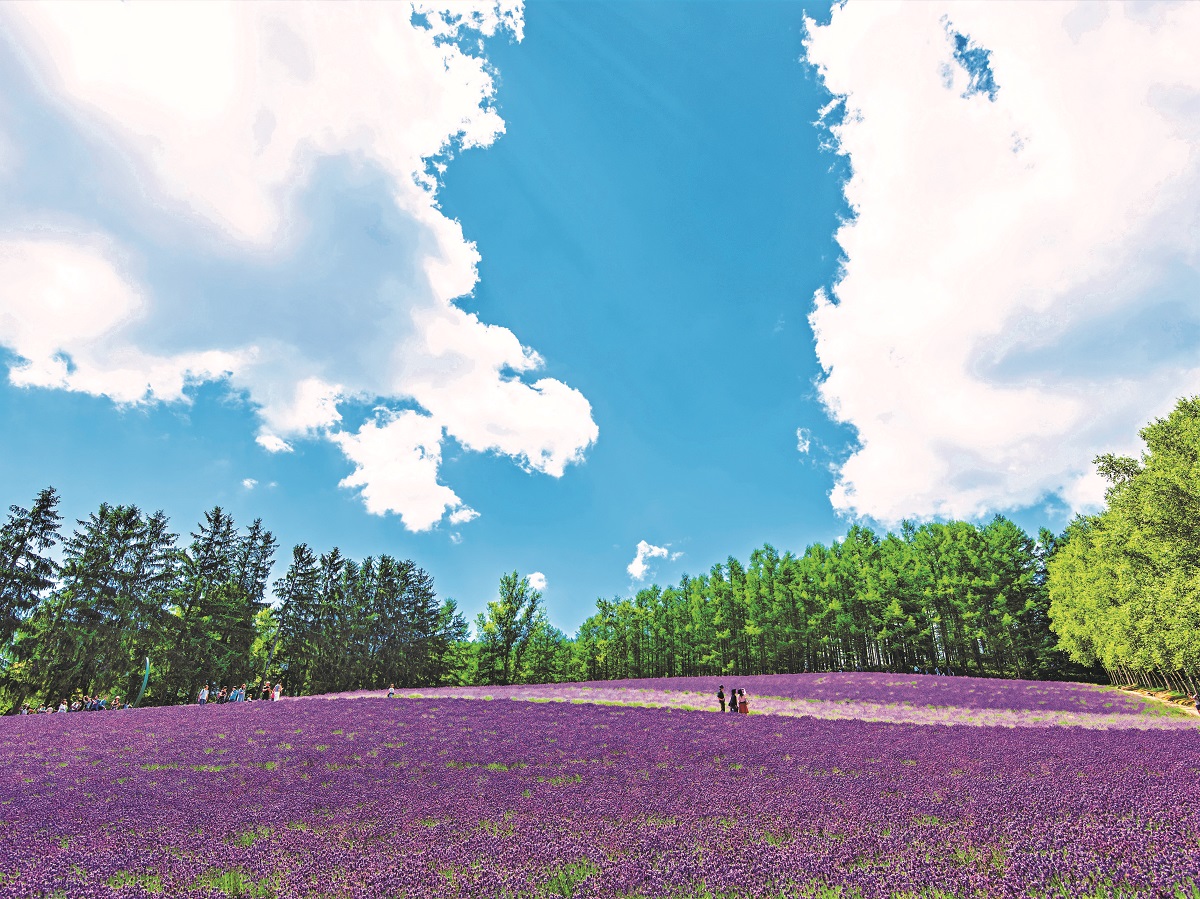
point(249, 138)
point(273, 444)
point(1023, 258)
point(537, 581)
point(68, 312)
point(249, 483)
point(639, 567)
point(462, 515)
point(396, 458)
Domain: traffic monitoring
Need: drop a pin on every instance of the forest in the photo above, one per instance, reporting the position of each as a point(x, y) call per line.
point(1116, 597)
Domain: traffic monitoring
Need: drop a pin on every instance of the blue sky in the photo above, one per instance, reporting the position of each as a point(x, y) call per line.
point(644, 246)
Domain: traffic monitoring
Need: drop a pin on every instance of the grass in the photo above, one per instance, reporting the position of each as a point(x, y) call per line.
point(250, 837)
point(151, 883)
point(563, 880)
point(235, 882)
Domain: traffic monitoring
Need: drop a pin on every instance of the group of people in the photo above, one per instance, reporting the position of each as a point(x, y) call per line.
point(82, 704)
point(737, 700)
point(237, 694)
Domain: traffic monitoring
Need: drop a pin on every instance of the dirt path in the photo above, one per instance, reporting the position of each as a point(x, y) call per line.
point(1162, 696)
point(894, 713)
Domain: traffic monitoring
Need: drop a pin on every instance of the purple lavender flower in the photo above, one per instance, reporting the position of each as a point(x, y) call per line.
point(450, 797)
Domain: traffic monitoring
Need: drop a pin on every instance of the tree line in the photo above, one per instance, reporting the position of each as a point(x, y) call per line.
point(125, 592)
point(941, 596)
point(1125, 583)
point(985, 600)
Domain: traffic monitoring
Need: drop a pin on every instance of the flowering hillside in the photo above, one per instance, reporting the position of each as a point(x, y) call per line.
point(914, 689)
point(372, 797)
point(896, 698)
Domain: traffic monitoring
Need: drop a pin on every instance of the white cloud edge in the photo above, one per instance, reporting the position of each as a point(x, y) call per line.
point(938, 177)
point(545, 426)
point(639, 568)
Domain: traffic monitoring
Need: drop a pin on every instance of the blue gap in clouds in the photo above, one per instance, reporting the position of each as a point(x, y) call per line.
point(654, 222)
point(976, 62)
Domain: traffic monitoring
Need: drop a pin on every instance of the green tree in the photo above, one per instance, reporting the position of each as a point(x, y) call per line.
point(1125, 584)
point(504, 632)
point(26, 570)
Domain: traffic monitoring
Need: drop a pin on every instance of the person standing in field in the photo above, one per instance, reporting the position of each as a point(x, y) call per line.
point(391, 691)
point(278, 691)
point(743, 704)
point(733, 699)
point(202, 698)
point(721, 696)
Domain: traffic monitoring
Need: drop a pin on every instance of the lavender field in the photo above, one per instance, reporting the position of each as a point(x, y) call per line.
point(893, 698)
point(450, 796)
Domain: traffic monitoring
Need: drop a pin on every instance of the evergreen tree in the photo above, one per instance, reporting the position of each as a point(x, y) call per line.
point(26, 571)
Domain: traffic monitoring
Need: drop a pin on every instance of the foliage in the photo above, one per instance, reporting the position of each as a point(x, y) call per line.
point(1125, 585)
point(515, 642)
point(344, 625)
point(934, 597)
point(126, 591)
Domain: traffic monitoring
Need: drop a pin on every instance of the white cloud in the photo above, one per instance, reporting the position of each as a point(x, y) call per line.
point(249, 483)
point(396, 460)
point(273, 444)
point(463, 515)
point(638, 568)
point(226, 112)
point(537, 581)
point(803, 440)
point(270, 87)
point(68, 311)
point(1020, 272)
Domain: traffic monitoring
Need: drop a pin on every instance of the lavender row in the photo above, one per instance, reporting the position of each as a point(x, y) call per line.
point(862, 710)
point(377, 797)
point(915, 689)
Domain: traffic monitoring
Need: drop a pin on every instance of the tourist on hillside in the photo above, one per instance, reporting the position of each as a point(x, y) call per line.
point(266, 690)
point(721, 696)
point(733, 699)
point(277, 692)
point(62, 706)
point(391, 691)
point(202, 696)
point(743, 704)
point(1195, 697)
